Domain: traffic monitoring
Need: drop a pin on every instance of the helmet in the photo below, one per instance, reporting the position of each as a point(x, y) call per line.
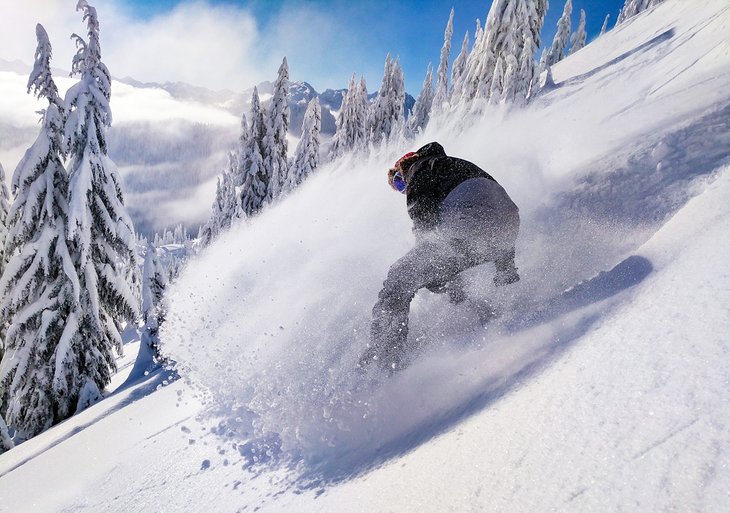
point(405, 159)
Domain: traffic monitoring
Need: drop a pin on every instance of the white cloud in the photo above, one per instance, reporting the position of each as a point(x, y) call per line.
point(212, 46)
point(131, 104)
point(216, 46)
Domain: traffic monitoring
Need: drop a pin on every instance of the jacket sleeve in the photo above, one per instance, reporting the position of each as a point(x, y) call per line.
point(424, 217)
point(424, 209)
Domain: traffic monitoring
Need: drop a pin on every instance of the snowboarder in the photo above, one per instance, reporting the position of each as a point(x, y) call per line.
point(461, 218)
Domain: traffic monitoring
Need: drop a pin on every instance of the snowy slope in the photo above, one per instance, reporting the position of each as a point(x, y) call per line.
point(597, 392)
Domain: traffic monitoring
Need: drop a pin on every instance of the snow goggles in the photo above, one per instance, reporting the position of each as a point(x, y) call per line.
point(397, 181)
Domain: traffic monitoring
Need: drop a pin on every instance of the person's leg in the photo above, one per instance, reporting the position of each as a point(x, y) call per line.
point(427, 263)
point(506, 269)
point(454, 289)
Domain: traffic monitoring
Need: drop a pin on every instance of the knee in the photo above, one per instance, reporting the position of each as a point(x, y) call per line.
point(396, 290)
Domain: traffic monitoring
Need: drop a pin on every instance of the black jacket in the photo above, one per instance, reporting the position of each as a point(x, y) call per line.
point(430, 179)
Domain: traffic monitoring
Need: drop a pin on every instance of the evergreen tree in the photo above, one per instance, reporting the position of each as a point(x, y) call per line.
point(543, 61)
point(386, 115)
point(230, 209)
point(347, 134)
point(4, 208)
point(275, 143)
point(45, 368)
point(562, 36)
point(244, 141)
point(578, 39)
point(458, 70)
point(154, 283)
point(211, 228)
point(511, 78)
point(239, 174)
point(527, 72)
point(422, 109)
point(604, 28)
point(225, 205)
point(470, 81)
point(258, 122)
point(306, 157)
point(5, 442)
point(506, 23)
point(361, 107)
point(634, 7)
point(255, 181)
point(495, 94)
point(441, 97)
point(537, 9)
point(180, 234)
point(99, 227)
point(510, 24)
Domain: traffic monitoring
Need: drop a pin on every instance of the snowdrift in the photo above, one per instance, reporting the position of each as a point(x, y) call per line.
point(270, 320)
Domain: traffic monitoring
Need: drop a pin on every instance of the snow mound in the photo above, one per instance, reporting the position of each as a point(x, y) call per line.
point(271, 318)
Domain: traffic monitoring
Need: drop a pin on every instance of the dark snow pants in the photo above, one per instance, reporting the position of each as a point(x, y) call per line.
point(474, 232)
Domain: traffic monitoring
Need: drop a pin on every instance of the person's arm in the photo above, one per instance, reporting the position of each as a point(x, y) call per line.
point(422, 197)
point(425, 217)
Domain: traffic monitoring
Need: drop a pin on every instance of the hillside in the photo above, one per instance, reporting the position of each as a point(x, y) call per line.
point(602, 388)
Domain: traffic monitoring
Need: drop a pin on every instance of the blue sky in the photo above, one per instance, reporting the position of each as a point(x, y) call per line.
point(236, 44)
point(412, 30)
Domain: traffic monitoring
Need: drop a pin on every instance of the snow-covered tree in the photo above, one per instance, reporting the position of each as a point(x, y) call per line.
point(495, 94)
point(4, 208)
point(604, 28)
point(5, 442)
point(537, 9)
point(634, 7)
point(99, 228)
point(562, 37)
point(230, 204)
point(543, 61)
point(441, 97)
point(509, 24)
point(467, 87)
point(511, 79)
point(154, 282)
point(47, 365)
point(361, 105)
point(344, 134)
point(3, 236)
point(180, 234)
point(225, 205)
point(210, 229)
point(386, 115)
point(255, 180)
point(578, 39)
point(275, 143)
point(306, 157)
point(239, 174)
point(422, 108)
point(458, 70)
point(527, 74)
point(352, 122)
